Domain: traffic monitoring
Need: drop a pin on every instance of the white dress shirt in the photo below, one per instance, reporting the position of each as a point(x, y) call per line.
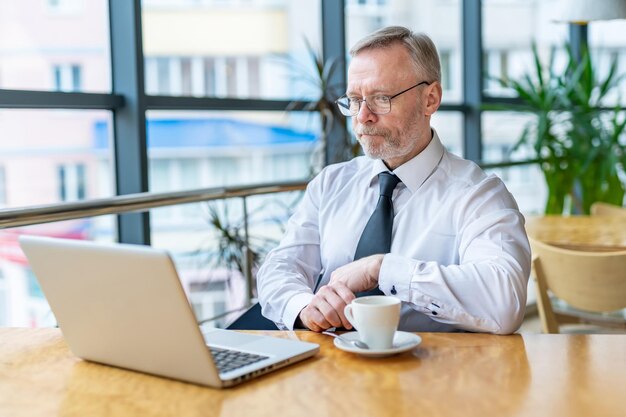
point(459, 258)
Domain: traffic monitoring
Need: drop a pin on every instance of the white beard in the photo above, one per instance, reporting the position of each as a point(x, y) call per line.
point(391, 147)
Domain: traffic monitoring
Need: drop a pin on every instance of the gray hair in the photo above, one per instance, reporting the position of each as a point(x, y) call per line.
point(421, 48)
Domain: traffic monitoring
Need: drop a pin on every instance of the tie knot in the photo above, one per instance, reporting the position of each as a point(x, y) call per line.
point(387, 182)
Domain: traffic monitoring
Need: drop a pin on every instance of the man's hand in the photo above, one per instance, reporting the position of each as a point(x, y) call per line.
point(326, 308)
point(358, 276)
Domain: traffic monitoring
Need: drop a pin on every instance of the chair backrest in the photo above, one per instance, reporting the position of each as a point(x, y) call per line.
point(591, 281)
point(605, 209)
point(252, 319)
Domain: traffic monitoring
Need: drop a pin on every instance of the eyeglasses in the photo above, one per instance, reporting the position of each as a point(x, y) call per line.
point(350, 106)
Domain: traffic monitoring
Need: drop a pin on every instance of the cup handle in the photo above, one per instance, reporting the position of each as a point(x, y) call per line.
point(347, 311)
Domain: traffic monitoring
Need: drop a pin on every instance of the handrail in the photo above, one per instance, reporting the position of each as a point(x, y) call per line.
point(139, 202)
point(31, 215)
point(507, 164)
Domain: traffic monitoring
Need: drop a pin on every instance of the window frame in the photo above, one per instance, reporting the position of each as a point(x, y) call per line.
point(129, 102)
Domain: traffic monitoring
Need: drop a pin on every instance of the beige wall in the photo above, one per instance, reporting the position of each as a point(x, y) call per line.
point(211, 32)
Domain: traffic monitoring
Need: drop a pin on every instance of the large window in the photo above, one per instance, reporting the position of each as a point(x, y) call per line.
point(606, 42)
point(3, 187)
point(51, 156)
point(55, 45)
point(449, 126)
point(502, 131)
point(214, 149)
point(189, 150)
point(507, 54)
point(230, 49)
point(220, 83)
point(441, 20)
point(47, 157)
point(22, 302)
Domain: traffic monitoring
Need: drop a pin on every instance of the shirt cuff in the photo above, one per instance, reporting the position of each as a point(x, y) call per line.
point(294, 307)
point(395, 276)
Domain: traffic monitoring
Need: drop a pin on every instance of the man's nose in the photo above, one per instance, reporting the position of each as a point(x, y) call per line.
point(365, 114)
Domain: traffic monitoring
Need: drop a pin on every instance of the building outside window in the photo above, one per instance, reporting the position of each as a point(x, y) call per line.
point(445, 57)
point(67, 77)
point(64, 7)
point(3, 187)
point(72, 182)
point(207, 76)
point(232, 50)
point(3, 300)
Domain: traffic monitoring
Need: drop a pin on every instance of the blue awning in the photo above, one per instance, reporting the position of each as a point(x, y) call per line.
point(205, 133)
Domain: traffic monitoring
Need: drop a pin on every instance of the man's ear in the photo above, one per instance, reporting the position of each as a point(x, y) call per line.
point(433, 98)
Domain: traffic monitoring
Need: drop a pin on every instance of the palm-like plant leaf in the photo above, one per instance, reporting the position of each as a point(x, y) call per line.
point(577, 141)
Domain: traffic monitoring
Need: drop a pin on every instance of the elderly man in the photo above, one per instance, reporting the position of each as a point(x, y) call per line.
point(408, 220)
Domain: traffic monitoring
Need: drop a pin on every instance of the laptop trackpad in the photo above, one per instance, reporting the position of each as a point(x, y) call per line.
point(228, 338)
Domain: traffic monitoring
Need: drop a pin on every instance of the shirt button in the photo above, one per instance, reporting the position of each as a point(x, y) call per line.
point(393, 290)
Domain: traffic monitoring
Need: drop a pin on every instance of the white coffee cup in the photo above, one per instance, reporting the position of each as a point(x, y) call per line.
point(376, 318)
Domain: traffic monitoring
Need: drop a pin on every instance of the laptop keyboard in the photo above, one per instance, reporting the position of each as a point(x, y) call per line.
point(228, 360)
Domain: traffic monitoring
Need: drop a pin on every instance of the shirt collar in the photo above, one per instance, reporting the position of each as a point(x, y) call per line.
point(415, 171)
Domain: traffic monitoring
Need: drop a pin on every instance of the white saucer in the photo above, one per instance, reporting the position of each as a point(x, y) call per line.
point(402, 341)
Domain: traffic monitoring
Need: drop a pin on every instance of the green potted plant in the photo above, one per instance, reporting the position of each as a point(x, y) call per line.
point(233, 247)
point(580, 144)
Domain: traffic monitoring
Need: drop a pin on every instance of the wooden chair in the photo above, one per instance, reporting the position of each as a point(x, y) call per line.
point(589, 282)
point(605, 209)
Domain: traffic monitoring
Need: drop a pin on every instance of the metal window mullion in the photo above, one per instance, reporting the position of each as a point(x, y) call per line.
point(153, 102)
point(334, 47)
point(19, 99)
point(578, 39)
point(247, 253)
point(129, 123)
point(472, 78)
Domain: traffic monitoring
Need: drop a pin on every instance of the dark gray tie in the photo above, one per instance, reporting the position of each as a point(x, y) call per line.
point(376, 237)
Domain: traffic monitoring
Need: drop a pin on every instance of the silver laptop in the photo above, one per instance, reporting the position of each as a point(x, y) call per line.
point(123, 305)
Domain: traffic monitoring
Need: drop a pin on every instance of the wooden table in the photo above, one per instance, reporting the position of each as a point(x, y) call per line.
point(447, 375)
point(595, 233)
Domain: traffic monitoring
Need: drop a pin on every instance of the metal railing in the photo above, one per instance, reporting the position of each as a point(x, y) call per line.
point(31, 215)
point(140, 202)
point(26, 216)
